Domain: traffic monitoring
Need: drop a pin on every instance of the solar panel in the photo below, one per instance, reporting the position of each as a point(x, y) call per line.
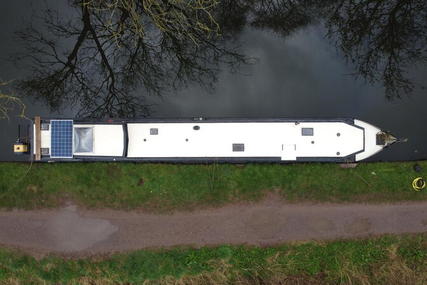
point(61, 135)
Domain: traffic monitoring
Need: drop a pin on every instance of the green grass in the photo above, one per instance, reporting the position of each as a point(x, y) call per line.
point(169, 186)
point(384, 260)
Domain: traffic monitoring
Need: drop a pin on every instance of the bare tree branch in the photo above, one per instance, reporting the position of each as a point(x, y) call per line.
point(121, 46)
point(8, 103)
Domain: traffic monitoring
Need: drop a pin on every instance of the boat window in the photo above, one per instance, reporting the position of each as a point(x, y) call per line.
point(238, 147)
point(83, 140)
point(307, 131)
point(154, 131)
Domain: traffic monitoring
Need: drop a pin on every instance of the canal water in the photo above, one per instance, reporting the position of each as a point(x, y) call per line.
point(301, 75)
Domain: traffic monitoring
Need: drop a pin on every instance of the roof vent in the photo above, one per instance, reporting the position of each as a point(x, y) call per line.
point(307, 131)
point(238, 147)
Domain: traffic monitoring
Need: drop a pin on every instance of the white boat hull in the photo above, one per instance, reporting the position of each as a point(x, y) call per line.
point(340, 140)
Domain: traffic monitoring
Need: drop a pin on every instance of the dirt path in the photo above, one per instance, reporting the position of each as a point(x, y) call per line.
point(82, 232)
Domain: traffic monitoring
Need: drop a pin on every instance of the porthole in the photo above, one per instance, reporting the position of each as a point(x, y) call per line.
point(196, 128)
point(338, 153)
point(338, 134)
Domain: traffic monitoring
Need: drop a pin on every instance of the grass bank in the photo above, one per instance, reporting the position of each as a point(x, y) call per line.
point(385, 260)
point(162, 187)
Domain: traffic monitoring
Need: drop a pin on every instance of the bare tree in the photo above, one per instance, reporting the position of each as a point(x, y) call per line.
point(282, 16)
point(286, 16)
point(9, 103)
point(119, 46)
point(381, 38)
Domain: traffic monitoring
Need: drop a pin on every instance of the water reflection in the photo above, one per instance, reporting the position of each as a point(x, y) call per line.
point(380, 38)
point(9, 103)
point(107, 50)
point(106, 60)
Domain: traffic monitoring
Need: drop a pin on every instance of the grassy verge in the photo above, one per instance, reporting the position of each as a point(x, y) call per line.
point(385, 260)
point(167, 186)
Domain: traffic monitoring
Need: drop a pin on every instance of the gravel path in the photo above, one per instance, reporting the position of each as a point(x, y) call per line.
point(73, 231)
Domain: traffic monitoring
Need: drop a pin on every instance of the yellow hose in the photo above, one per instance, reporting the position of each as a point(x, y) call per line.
point(418, 184)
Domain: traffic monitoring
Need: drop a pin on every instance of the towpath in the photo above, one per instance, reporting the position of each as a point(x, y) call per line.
point(73, 231)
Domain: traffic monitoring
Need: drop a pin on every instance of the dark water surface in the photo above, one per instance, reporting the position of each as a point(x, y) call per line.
point(301, 75)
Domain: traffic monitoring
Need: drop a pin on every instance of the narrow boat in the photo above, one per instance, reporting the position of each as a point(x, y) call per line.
point(206, 140)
